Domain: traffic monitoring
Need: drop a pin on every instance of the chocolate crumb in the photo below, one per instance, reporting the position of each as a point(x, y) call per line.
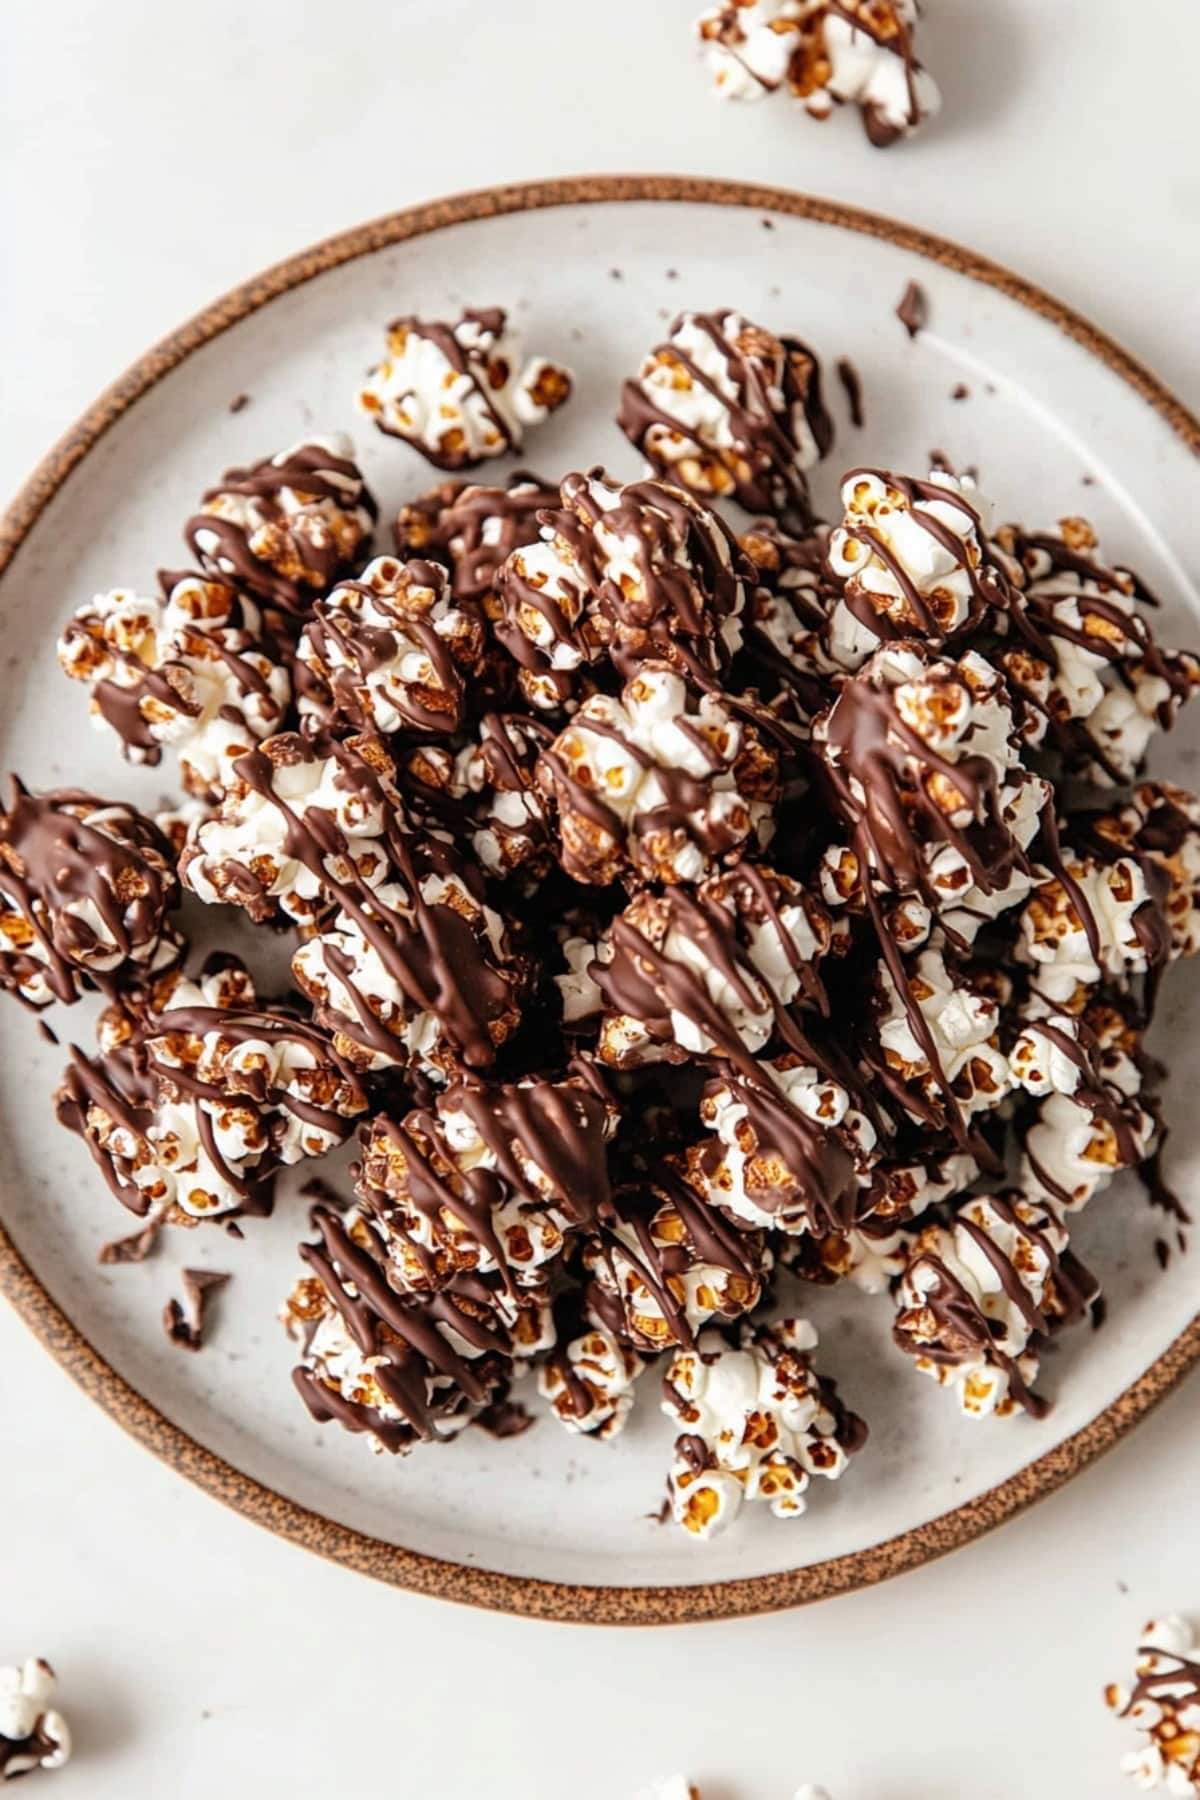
point(961, 392)
point(234, 1230)
point(183, 1321)
point(768, 224)
point(239, 403)
point(913, 310)
point(1162, 1251)
point(1122, 1587)
point(851, 382)
point(133, 1249)
point(672, 274)
point(505, 1418)
point(1088, 480)
point(46, 1032)
point(662, 1512)
point(1099, 1312)
point(616, 274)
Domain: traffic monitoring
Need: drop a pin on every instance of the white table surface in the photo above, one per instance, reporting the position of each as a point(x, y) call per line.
point(152, 155)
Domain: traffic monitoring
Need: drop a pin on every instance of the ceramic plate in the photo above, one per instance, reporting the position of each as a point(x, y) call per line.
point(1056, 420)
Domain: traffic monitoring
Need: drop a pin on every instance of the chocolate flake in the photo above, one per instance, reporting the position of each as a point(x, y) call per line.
point(184, 1321)
point(913, 310)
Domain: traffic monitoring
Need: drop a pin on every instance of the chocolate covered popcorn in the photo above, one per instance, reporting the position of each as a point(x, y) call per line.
point(659, 784)
point(461, 393)
point(726, 409)
point(400, 1370)
point(757, 1423)
point(390, 651)
point(87, 889)
point(195, 670)
point(33, 1733)
point(1163, 1704)
point(284, 529)
point(201, 1094)
point(825, 53)
point(979, 1297)
point(627, 573)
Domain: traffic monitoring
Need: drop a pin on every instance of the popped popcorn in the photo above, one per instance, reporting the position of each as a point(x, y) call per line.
point(87, 887)
point(728, 410)
point(758, 1423)
point(286, 528)
point(1163, 1704)
point(659, 783)
point(33, 1733)
point(461, 393)
point(195, 670)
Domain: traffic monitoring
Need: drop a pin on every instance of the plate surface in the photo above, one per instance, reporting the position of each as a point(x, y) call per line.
point(1057, 421)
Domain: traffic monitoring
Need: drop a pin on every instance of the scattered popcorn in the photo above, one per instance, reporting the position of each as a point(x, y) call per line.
point(33, 1734)
point(461, 393)
point(1164, 1706)
point(729, 411)
point(589, 1382)
point(859, 52)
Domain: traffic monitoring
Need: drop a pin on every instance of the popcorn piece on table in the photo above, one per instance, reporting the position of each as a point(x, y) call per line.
point(1086, 661)
point(390, 651)
point(461, 393)
point(303, 817)
point(1164, 1706)
point(86, 890)
point(922, 765)
point(682, 974)
point(758, 1422)
point(916, 561)
point(196, 1102)
point(588, 1378)
point(980, 1294)
point(286, 529)
point(416, 970)
point(661, 783)
point(825, 52)
point(401, 1370)
point(33, 1733)
point(195, 670)
point(730, 411)
point(1090, 1123)
point(627, 572)
point(663, 1263)
point(791, 1153)
point(491, 1178)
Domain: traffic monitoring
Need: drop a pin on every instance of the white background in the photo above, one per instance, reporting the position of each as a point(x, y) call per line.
point(152, 155)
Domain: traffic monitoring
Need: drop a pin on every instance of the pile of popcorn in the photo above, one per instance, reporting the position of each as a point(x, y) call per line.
point(676, 916)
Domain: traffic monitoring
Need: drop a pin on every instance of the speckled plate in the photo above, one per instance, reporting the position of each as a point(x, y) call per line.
point(1056, 418)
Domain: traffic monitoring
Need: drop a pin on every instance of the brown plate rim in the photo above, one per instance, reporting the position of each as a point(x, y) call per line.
point(564, 1601)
